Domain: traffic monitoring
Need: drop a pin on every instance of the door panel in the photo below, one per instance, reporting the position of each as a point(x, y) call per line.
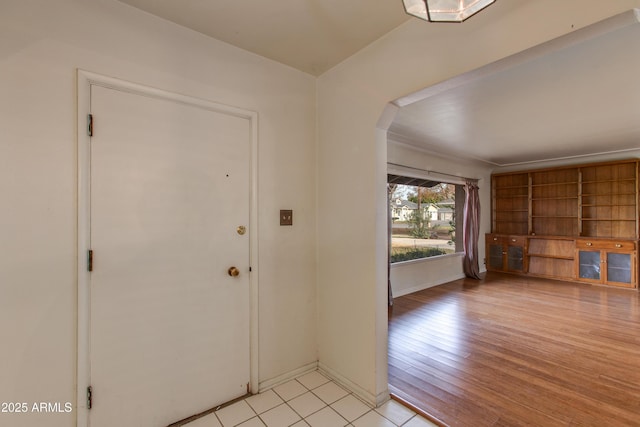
point(170, 184)
point(619, 267)
point(589, 265)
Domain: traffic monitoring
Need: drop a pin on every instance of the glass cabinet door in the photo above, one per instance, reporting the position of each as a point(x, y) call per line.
point(515, 258)
point(618, 267)
point(589, 265)
point(495, 256)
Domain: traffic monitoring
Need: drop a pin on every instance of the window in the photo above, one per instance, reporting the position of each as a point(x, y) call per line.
point(424, 217)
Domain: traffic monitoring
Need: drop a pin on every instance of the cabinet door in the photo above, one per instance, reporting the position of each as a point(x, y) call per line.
point(619, 267)
point(496, 256)
point(515, 258)
point(589, 265)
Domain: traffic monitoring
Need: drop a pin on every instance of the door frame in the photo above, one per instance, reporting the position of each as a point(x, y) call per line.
point(85, 80)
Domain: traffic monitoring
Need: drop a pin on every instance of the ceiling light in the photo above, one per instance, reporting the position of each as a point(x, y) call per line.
point(444, 10)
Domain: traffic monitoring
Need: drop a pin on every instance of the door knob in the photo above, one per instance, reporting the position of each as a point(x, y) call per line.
point(233, 272)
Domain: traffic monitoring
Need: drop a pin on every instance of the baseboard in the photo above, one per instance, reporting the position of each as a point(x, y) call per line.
point(422, 287)
point(370, 399)
point(281, 379)
point(417, 410)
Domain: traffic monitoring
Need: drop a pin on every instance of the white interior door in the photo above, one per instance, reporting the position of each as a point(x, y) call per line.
point(169, 327)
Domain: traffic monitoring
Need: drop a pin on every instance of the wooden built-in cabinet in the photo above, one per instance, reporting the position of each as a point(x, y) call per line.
point(551, 257)
point(577, 223)
point(606, 262)
point(506, 253)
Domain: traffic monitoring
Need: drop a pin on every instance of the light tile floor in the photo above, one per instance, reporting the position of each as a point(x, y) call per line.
point(310, 400)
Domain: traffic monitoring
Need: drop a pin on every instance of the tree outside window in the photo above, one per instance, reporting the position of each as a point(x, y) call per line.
point(423, 219)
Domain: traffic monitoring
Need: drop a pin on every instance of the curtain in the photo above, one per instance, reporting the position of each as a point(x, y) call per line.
point(471, 230)
point(390, 189)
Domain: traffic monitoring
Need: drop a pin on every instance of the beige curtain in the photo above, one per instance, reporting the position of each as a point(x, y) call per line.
point(471, 230)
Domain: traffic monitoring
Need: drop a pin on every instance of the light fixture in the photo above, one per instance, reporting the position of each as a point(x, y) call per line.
point(444, 10)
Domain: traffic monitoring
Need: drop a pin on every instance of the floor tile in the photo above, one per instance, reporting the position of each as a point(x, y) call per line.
point(419, 421)
point(326, 417)
point(253, 422)
point(326, 405)
point(264, 401)
point(330, 392)
point(207, 421)
point(373, 419)
point(290, 389)
point(280, 416)
point(235, 414)
point(313, 379)
point(350, 407)
point(306, 404)
point(395, 412)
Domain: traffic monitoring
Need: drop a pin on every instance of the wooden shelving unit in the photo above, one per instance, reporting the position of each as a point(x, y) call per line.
point(609, 201)
point(510, 199)
point(548, 211)
point(554, 202)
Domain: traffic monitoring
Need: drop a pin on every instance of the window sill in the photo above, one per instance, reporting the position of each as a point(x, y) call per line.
point(426, 260)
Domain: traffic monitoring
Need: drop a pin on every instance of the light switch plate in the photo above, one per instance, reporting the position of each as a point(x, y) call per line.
point(286, 217)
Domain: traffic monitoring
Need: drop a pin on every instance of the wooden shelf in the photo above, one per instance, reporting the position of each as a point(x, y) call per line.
point(555, 198)
point(593, 200)
point(517, 197)
point(555, 206)
point(512, 222)
point(607, 205)
point(555, 184)
point(609, 180)
point(550, 256)
point(621, 193)
point(601, 219)
point(508, 187)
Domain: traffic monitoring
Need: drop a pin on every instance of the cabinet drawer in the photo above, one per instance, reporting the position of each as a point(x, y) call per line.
point(606, 244)
point(515, 240)
point(506, 239)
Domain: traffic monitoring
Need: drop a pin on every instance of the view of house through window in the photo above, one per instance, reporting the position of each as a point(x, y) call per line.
point(424, 218)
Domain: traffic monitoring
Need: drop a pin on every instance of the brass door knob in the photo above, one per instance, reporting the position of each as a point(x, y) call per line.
point(233, 272)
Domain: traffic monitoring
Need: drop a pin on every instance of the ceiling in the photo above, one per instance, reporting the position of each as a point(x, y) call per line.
point(310, 35)
point(574, 96)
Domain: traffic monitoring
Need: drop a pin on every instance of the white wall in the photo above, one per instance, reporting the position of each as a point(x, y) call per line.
point(42, 43)
point(352, 156)
point(415, 275)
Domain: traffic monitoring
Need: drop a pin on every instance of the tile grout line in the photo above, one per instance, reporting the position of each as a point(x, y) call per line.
point(313, 392)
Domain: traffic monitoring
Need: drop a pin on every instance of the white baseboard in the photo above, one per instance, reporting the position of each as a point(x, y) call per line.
point(367, 397)
point(281, 379)
point(407, 291)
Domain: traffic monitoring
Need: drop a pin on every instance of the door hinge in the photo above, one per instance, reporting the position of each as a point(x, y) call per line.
point(89, 397)
point(90, 124)
point(90, 260)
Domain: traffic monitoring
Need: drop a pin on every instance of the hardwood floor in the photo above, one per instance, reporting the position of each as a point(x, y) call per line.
point(516, 351)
